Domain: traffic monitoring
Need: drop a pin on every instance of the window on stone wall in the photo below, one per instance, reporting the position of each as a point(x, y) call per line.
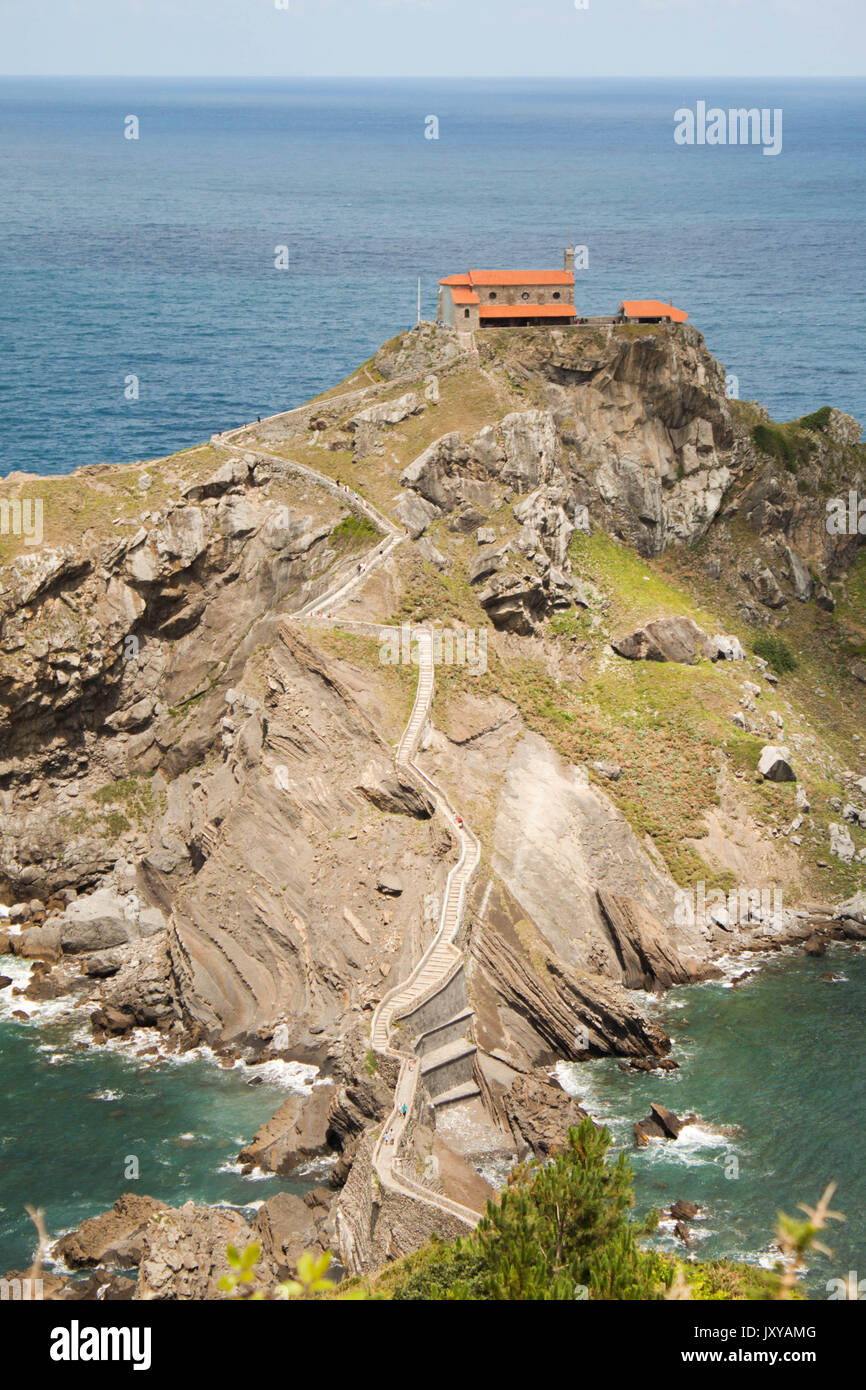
point(492, 294)
point(525, 294)
point(556, 294)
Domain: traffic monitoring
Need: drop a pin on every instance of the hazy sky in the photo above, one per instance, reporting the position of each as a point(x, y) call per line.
point(433, 37)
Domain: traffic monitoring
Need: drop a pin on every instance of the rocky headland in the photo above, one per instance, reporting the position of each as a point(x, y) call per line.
point(204, 829)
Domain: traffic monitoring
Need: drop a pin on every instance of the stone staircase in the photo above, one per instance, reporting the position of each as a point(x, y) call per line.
point(441, 1033)
point(451, 1061)
point(448, 1067)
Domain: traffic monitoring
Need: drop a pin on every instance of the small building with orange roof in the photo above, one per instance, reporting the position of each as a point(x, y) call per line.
point(650, 311)
point(508, 298)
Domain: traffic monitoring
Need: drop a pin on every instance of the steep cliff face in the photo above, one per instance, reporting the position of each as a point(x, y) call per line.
point(117, 655)
point(628, 433)
point(647, 427)
point(637, 428)
point(297, 842)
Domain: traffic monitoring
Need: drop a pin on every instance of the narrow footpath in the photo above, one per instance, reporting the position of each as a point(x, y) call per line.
point(443, 955)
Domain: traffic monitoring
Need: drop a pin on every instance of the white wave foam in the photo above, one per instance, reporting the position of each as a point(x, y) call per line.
point(254, 1175)
point(290, 1076)
point(37, 1010)
point(239, 1206)
point(149, 1045)
point(314, 1167)
point(142, 1044)
point(698, 1145)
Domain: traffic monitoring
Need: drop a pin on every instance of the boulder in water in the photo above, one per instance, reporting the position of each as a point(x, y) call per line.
point(684, 1211)
point(109, 1021)
point(299, 1130)
point(115, 1238)
point(661, 1123)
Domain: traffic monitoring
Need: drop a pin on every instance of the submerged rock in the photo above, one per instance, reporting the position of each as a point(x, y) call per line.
point(815, 945)
point(684, 1211)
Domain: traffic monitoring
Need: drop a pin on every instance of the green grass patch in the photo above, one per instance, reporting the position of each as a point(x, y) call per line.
point(102, 501)
point(636, 588)
point(664, 724)
point(818, 420)
point(136, 797)
point(575, 626)
point(776, 652)
point(353, 533)
point(790, 444)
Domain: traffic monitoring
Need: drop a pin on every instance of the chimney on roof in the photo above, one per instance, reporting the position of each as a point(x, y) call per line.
point(569, 260)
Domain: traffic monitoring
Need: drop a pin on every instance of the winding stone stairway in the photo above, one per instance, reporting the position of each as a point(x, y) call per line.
point(443, 958)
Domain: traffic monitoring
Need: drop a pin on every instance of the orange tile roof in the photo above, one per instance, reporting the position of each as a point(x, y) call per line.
point(461, 296)
point(455, 280)
point(528, 311)
point(520, 277)
point(652, 309)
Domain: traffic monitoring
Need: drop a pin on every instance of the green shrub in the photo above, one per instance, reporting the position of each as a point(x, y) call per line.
point(116, 824)
point(818, 420)
point(560, 1231)
point(776, 652)
point(573, 625)
point(786, 443)
point(435, 1271)
point(353, 532)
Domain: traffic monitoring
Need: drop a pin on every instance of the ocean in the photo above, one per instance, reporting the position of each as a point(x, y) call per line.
point(82, 1124)
point(154, 258)
point(771, 1068)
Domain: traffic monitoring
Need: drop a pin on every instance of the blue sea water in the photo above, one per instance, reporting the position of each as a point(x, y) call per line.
point(771, 1067)
point(155, 257)
point(82, 1124)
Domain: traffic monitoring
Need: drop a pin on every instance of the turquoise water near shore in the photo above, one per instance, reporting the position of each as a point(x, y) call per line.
point(773, 1069)
point(73, 1114)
